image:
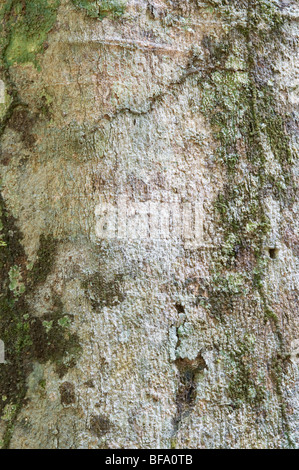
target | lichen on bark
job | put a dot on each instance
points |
(138, 341)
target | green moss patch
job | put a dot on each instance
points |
(243, 386)
(241, 107)
(28, 338)
(27, 25)
(102, 8)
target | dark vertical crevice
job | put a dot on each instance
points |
(188, 372)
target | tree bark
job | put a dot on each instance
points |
(149, 224)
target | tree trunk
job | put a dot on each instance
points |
(149, 224)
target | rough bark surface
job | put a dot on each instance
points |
(149, 224)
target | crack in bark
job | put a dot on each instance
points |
(187, 389)
(159, 96)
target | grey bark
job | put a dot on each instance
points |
(149, 237)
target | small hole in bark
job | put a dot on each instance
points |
(180, 308)
(273, 253)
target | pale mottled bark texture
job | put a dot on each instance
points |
(149, 224)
